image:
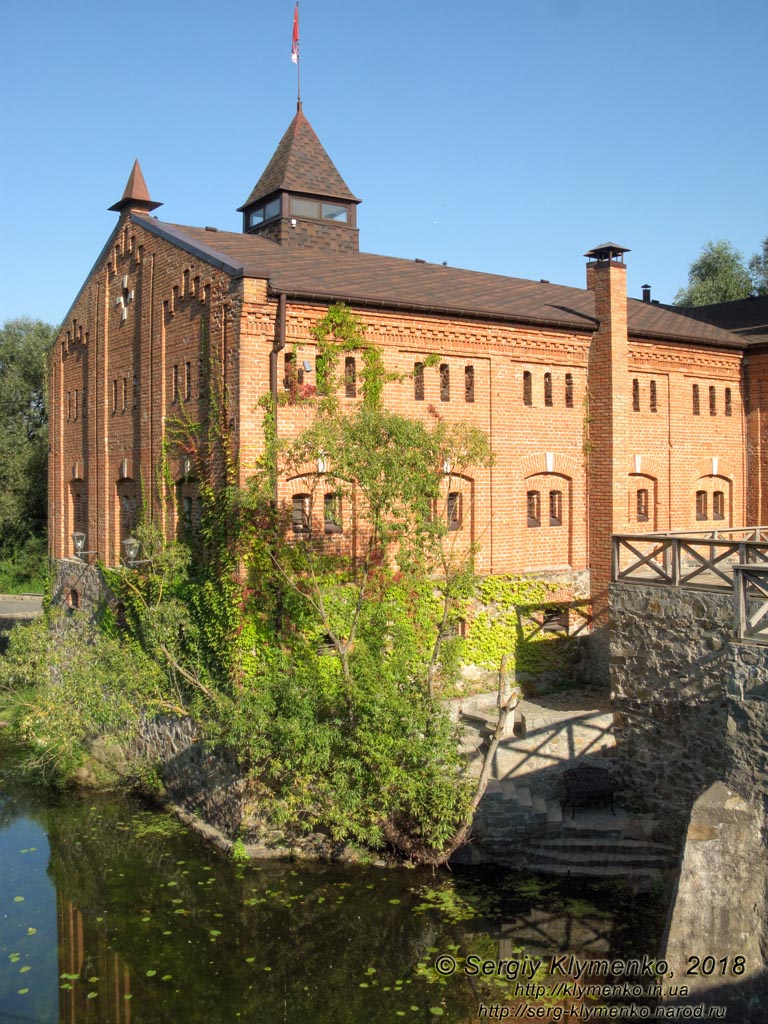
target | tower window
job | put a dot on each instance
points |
(527, 388)
(445, 382)
(264, 212)
(300, 514)
(718, 505)
(696, 400)
(469, 383)
(175, 383)
(635, 395)
(187, 380)
(701, 504)
(712, 401)
(728, 403)
(569, 390)
(533, 501)
(418, 382)
(653, 398)
(332, 513)
(642, 505)
(555, 508)
(350, 377)
(125, 393)
(547, 389)
(453, 510)
(114, 396)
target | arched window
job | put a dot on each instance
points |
(533, 500)
(527, 388)
(301, 514)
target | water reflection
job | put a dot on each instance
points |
(152, 926)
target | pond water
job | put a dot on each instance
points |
(113, 912)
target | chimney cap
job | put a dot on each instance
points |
(607, 251)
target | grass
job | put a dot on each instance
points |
(26, 570)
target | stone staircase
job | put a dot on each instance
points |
(520, 823)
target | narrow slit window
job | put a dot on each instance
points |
(718, 505)
(125, 394)
(175, 383)
(453, 510)
(635, 395)
(533, 501)
(728, 402)
(188, 380)
(69, 405)
(548, 389)
(77, 400)
(696, 400)
(418, 382)
(445, 382)
(135, 396)
(642, 505)
(701, 504)
(300, 514)
(555, 508)
(350, 377)
(332, 512)
(653, 397)
(527, 388)
(469, 383)
(713, 401)
(569, 390)
(114, 396)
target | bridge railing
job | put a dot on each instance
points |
(750, 602)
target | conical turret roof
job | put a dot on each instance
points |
(136, 195)
(300, 164)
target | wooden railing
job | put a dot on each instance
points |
(718, 560)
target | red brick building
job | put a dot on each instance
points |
(606, 414)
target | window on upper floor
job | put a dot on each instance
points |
(642, 505)
(175, 384)
(569, 390)
(696, 400)
(653, 400)
(301, 522)
(350, 377)
(264, 212)
(728, 403)
(635, 395)
(713, 401)
(469, 383)
(548, 398)
(718, 505)
(527, 388)
(445, 382)
(533, 502)
(188, 380)
(555, 508)
(454, 510)
(418, 382)
(701, 504)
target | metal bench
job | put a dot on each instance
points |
(587, 785)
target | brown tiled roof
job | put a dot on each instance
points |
(746, 317)
(300, 164)
(384, 281)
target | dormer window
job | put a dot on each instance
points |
(264, 212)
(318, 210)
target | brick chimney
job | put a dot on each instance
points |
(608, 390)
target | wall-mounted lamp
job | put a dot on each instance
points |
(132, 547)
(78, 539)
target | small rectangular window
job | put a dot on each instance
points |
(69, 405)
(555, 508)
(453, 510)
(728, 403)
(718, 505)
(713, 401)
(125, 393)
(77, 400)
(533, 501)
(635, 395)
(188, 380)
(569, 390)
(350, 377)
(527, 388)
(175, 387)
(445, 382)
(696, 400)
(114, 396)
(300, 513)
(418, 382)
(653, 398)
(469, 383)
(294, 375)
(701, 504)
(547, 389)
(332, 513)
(642, 505)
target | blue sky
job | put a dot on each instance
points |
(496, 135)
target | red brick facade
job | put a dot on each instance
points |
(594, 421)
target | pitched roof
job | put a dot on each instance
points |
(300, 164)
(388, 282)
(136, 193)
(746, 317)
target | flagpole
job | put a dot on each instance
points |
(295, 55)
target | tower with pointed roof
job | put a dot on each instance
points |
(301, 200)
(135, 198)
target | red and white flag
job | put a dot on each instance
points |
(295, 41)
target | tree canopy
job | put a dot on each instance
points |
(24, 345)
(719, 274)
(758, 267)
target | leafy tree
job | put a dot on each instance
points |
(24, 346)
(758, 267)
(718, 275)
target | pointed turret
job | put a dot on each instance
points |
(301, 199)
(136, 196)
